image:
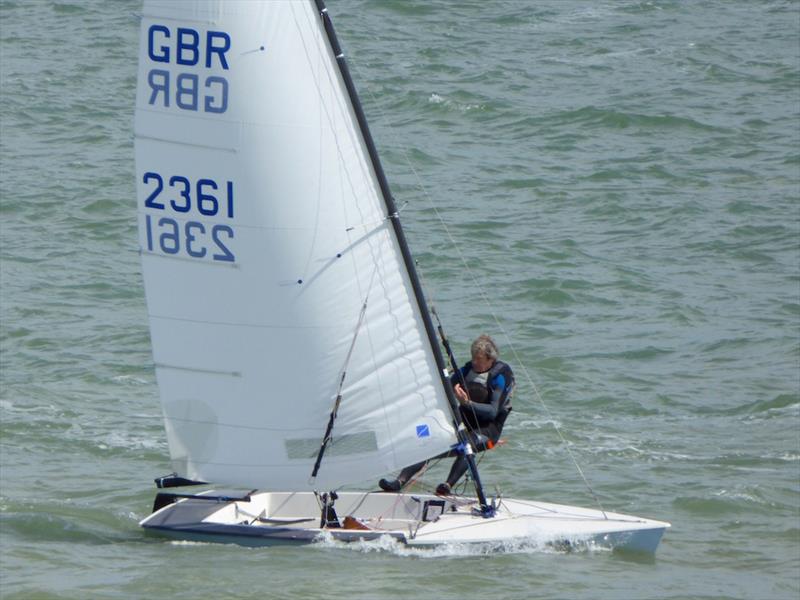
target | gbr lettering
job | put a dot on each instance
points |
(195, 81)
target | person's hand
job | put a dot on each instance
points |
(461, 394)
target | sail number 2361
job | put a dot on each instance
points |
(192, 238)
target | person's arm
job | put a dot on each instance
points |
(488, 412)
(460, 376)
(457, 380)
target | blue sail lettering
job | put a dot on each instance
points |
(159, 82)
(191, 48)
(160, 54)
(188, 47)
(220, 50)
(216, 101)
(186, 91)
(189, 90)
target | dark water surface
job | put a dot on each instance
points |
(612, 188)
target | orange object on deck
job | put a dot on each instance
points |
(353, 523)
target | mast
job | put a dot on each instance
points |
(406, 253)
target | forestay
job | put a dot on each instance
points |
(263, 231)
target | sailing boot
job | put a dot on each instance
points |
(456, 471)
(390, 485)
(406, 475)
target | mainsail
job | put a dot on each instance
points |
(269, 257)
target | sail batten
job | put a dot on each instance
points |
(250, 155)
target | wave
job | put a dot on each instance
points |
(779, 405)
(744, 500)
(523, 545)
(594, 117)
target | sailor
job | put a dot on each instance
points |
(483, 388)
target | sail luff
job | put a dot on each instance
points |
(390, 205)
(406, 253)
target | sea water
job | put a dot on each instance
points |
(611, 189)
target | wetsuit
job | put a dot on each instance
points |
(486, 414)
(489, 392)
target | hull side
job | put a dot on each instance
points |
(418, 520)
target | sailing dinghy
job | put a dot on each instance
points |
(293, 348)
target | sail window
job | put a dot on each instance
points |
(342, 445)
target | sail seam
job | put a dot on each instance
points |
(185, 144)
(194, 261)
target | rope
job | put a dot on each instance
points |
(326, 439)
(485, 298)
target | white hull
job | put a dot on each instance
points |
(415, 519)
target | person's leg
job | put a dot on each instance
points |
(460, 465)
(410, 472)
(406, 475)
(457, 470)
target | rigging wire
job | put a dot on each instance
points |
(477, 286)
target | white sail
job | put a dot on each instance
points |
(263, 232)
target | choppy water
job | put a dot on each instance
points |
(623, 180)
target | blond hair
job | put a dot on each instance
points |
(485, 345)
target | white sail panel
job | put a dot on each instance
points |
(263, 232)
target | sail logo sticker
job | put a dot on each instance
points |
(423, 431)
